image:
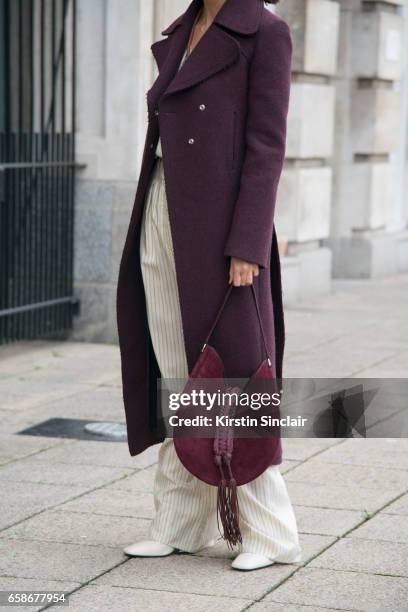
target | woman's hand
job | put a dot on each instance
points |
(242, 272)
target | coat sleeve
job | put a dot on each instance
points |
(250, 235)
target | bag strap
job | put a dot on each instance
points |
(258, 312)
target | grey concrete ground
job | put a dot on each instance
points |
(68, 507)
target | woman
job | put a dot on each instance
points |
(203, 218)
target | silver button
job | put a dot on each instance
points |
(156, 112)
(151, 146)
(202, 107)
(191, 141)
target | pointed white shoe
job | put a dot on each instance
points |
(148, 548)
(250, 561)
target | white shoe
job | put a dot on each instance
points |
(250, 561)
(148, 548)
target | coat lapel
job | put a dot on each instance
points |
(160, 50)
(216, 51)
(169, 52)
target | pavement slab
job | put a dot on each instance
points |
(395, 366)
(313, 545)
(79, 528)
(44, 472)
(386, 527)
(300, 449)
(25, 356)
(61, 361)
(327, 521)
(399, 506)
(319, 471)
(344, 356)
(370, 556)
(56, 561)
(12, 422)
(113, 503)
(271, 606)
(98, 453)
(22, 393)
(387, 453)
(71, 406)
(94, 598)
(141, 481)
(342, 590)
(14, 447)
(184, 573)
(63, 368)
(338, 496)
(99, 403)
(20, 500)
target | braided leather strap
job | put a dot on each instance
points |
(227, 497)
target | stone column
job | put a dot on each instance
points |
(304, 197)
(368, 132)
(91, 15)
(115, 68)
(114, 71)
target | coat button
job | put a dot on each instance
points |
(202, 107)
(156, 112)
(191, 141)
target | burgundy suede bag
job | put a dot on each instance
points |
(226, 461)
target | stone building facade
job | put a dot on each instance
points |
(342, 203)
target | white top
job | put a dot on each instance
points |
(159, 152)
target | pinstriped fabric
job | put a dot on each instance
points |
(185, 506)
(159, 279)
(186, 511)
(267, 520)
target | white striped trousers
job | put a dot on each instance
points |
(185, 506)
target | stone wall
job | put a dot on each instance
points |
(305, 192)
(363, 239)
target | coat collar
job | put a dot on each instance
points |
(217, 49)
(241, 16)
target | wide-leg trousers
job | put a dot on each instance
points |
(185, 506)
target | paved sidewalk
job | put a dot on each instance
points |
(67, 507)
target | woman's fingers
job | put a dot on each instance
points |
(249, 277)
(237, 277)
(241, 273)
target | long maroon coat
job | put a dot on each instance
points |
(222, 123)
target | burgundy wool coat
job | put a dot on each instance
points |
(222, 123)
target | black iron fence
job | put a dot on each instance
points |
(37, 167)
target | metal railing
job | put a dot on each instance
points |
(37, 167)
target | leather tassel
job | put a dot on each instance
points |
(228, 508)
(227, 496)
